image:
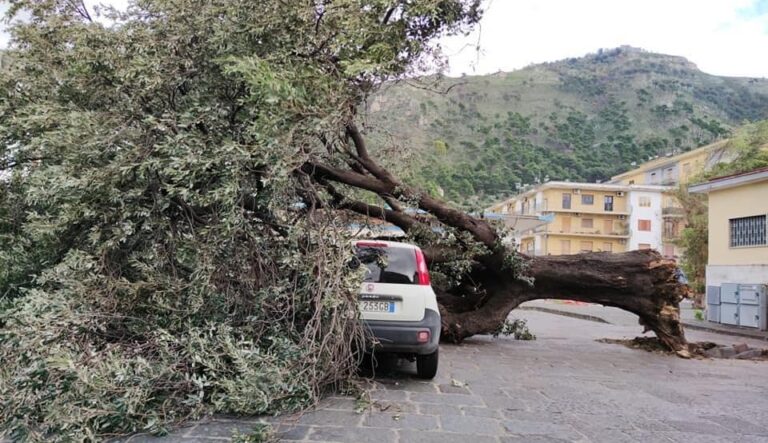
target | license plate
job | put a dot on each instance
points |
(377, 306)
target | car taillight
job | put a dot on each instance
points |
(421, 268)
(422, 337)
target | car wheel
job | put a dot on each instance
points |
(426, 366)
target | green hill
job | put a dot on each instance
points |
(586, 118)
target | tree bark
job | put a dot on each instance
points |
(641, 282)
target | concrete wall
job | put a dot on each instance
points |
(742, 201)
(747, 274)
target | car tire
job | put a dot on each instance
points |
(426, 366)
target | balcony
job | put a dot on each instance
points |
(672, 211)
(588, 233)
(596, 210)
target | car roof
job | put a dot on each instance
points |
(386, 244)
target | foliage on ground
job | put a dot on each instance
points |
(153, 263)
(517, 328)
(577, 119)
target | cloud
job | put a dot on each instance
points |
(721, 37)
(716, 35)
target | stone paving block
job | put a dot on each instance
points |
(330, 418)
(614, 436)
(479, 411)
(451, 389)
(505, 402)
(389, 394)
(533, 439)
(401, 421)
(291, 432)
(690, 437)
(471, 425)
(338, 403)
(697, 427)
(554, 430)
(408, 385)
(352, 435)
(409, 436)
(438, 409)
(736, 424)
(449, 399)
(535, 416)
(220, 429)
(392, 406)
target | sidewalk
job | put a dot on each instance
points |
(616, 316)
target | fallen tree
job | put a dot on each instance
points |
(495, 278)
(154, 264)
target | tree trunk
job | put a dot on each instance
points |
(641, 282)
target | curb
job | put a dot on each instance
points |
(694, 326)
(564, 313)
(734, 333)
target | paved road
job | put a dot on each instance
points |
(564, 386)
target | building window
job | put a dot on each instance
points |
(587, 223)
(608, 247)
(671, 229)
(565, 247)
(608, 226)
(586, 246)
(644, 246)
(587, 199)
(643, 225)
(645, 202)
(631, 182)
(566, 221)
(748, 231)
(669, 251)
(566, 201)
(608, 203)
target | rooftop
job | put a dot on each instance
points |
(655, 163)
(731, 181)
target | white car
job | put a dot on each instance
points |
(397, 303)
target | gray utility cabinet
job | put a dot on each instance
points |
(738, 304)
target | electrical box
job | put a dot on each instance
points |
(738, 304)
(713, 304)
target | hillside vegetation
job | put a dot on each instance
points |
(477, 138)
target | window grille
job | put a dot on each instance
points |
(748, 231)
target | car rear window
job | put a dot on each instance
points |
(388, 265)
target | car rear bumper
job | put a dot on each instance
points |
(402, 336)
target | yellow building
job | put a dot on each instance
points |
(672, 170)
(586, 217)
(737, 267)
(738, 208)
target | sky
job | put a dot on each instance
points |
(722, 37)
